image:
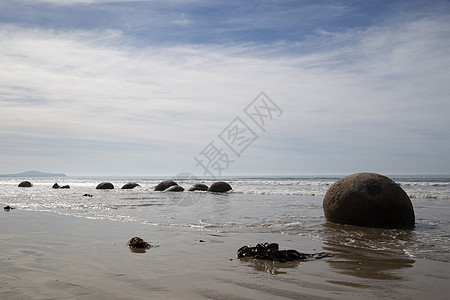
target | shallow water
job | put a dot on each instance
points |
(290, 206)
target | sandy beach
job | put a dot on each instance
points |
(50, 256)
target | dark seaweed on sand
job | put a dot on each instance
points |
(137, 242)
(270, 251)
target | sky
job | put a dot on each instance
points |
(221, 88)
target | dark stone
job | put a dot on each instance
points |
(137, 242)
(105, 186)
(164, 185)
(270, 251)
(130, 186)
(370, 200)
(220, 187)
(8, 208)
(199, 187)
(25, 184)
(175, 188)
(87, 195)
(65, 187)
(55, 186)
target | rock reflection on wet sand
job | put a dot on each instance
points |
(370, 253)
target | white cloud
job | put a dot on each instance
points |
(380, 92)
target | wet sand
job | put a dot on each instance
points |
(49, 256)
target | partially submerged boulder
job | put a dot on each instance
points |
(130, 186)
(57, 186)
(175, 188)
(105, 186)
(220, 187)
(25, 184)
(370, 200)
(199, 187)
(164, 185)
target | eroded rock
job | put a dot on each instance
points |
(105, 186)
(164, 185)
(130, 186)
(370, 200)
(220, 187)
(175, 188)
(25, 184)
(199, 187)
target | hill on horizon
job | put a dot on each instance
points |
(34, 174)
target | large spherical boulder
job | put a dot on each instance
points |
(164, 185)
(25, 184)
(368, 199)
(105, 186)
(199, 187)
(220, 187)
(129, 186)
(175, 188)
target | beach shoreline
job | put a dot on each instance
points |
(45, 255)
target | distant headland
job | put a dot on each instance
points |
(33, 174)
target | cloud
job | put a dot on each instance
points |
(360, 98)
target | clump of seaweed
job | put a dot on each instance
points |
(270, 251)
(137, 242)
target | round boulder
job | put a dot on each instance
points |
(130, 186)
(105, 186)
(199, 187)
(25, 184)
(370, 200)
(56, 186)
(175, 188)
(164, 185)
(220, 187)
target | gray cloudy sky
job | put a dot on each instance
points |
(91, 87)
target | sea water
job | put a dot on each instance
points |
(288, 205)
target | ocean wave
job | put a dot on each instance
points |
(278, 192)
(424, 184)
(440, 196)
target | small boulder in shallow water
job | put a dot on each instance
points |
(130, 186)
(175, 188)
(25, 184)
(105, 186)
(370, 200)
(56, 186)
(164, 185)
(220, 187)
(199, 187)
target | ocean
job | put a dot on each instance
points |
(287, 205)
